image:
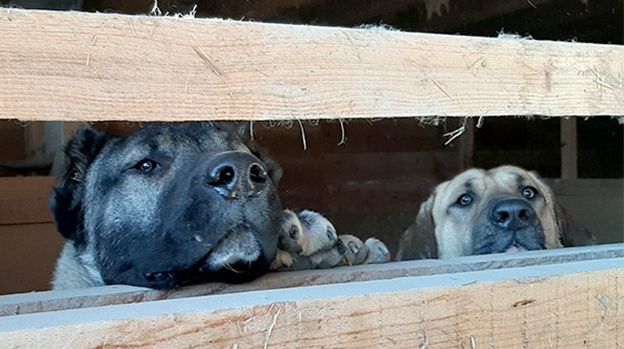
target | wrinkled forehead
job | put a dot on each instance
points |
(469, 181)
(500, 180)
(182, 139)
(512, 178)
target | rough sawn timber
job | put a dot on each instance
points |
(570, 305)
(119, 294)
(85, 66)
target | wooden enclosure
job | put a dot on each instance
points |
(201, 69)
(81, 67)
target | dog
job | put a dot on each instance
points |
(167, 206)
(308, 240)
(505, 209)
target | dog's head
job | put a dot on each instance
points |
(291, 235)
(505, 209)
(170, 204)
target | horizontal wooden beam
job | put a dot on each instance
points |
(110, 295)
(571, 305)
(82, 66)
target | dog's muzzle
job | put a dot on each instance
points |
(512, 215)
(236, 174)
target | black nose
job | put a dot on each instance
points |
(236, 174)
(512, 214)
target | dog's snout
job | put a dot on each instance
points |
(512, 214)
(234, 174)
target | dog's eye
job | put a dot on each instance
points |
(146, 165)
(464, 200)
(529, 192)
(293, 232)
(330, 233)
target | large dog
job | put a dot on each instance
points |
(505, 209)
(167, 206)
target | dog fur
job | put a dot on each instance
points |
(458, 218)
(146, 210)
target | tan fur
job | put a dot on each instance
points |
(356, 250)
(453, 233)
(314, 237)
(306, 244)
(377, 252)
(283, 259)
(327, 258)
(308, 241)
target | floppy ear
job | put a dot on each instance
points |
(418, 241)
(562, 225)
(570, 235)
(244, 132)
(66, 198)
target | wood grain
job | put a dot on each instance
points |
(24, 200)
(110, 295)
(569, 149)
(28, 254)
(575, 305)
(81, 66)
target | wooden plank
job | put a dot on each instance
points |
(61, 300)
(24, 200)
(593, 204)
(81, 66)
(569, 305)
(600, 187)
(28, 254)
(18, 141)
(569, 156)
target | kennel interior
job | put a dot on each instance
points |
(366, 155)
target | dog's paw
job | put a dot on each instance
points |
(319, 233)
(283, 260)
(377, 252)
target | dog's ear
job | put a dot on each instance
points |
(569, 234)
(244, 132)
(418, 241)
(561, 218)
(66, 198)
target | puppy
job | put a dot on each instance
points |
(306, 241)
(309, 241)
(318, 232)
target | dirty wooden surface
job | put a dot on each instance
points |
(110, 295)
(83, 66)
(570, 305)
